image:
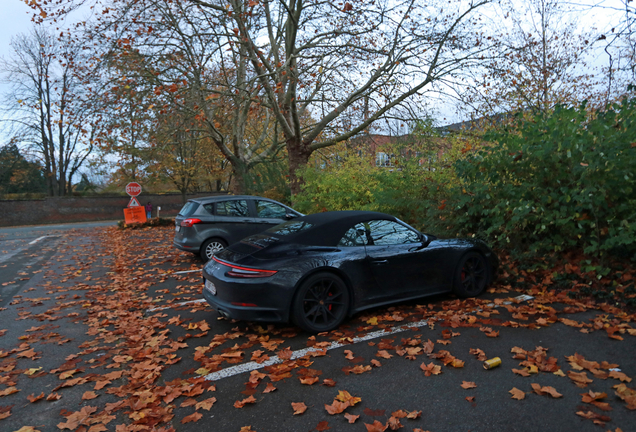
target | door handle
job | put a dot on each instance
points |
(379, 262)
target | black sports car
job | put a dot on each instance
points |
(316, 270)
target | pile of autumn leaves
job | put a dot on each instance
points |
(537, 361)
(137, 348)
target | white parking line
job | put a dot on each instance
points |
(154, 257)
(180, 272)
(248, 367)
(38, 239)
(175, 304)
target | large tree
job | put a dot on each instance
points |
(344, 65)
(174, 59)
(347, 65)
(48, 110)
(539, 59)
(620, 38)
(17, 174)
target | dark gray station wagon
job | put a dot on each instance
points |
(206, 226)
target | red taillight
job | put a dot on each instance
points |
(245, 272)
(189, 222)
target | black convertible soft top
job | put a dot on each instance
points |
(326, 229)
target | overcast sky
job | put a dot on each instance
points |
(14, 19)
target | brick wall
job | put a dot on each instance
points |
(84, 209)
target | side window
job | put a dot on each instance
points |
(234, 208)
(267, 209)
(351, 238)
(385, 232)
(209, 208)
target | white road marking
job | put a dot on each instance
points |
(248, 367)
(38, 239)
(153, 257)
(7, 255)
(180, 272)
(175, 304)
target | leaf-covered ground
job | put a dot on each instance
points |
(108, 335)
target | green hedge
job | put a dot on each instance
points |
(554, 182)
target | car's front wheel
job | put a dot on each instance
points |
(471, 275)
(321, 303)
(211, 247)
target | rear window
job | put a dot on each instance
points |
(188, 209)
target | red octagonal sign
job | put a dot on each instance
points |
(133, 188)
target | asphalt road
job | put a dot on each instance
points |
(52, 296)
(24, 249)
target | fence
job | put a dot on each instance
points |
(84, 209)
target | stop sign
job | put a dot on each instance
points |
(133, 188)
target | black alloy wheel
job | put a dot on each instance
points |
(471, 276)
(321, 303)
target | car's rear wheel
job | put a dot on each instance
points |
(321, 303)
(211, 247)
(471, 275)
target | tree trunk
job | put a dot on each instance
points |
(298, 158)
(237, 181)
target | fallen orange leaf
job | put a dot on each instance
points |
(269, 388)
(383, 354)
(345, 396)
(431, 369)
(309, 380)
(194, 417)
(89, 395)
(620, 376)
(351, 418)
(322, 426)
(8, 391)
(299, 407)
(541, 391)
(53, 397)
(376, 427)
(580, 378)
(241, 404)
(517, 394)
(336, 407)
(206, 404)
(32, 398)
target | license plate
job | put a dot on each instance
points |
(210, 287)
(177, 228)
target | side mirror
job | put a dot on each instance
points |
(289, 216)
(424, 238)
